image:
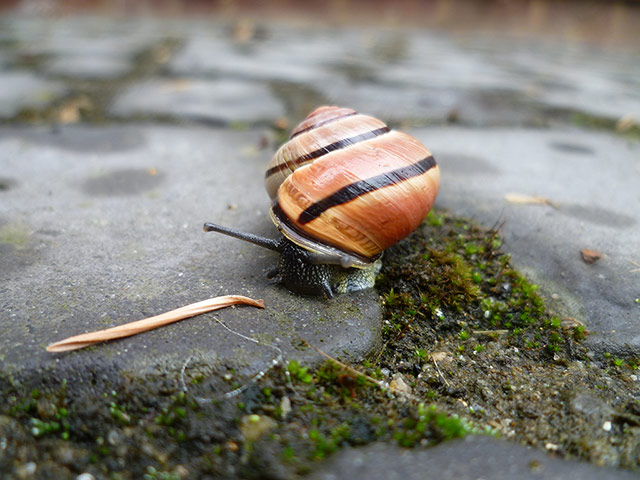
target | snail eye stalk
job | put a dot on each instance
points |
(270, 243)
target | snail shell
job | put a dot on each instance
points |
(346, 184)
(343, 188)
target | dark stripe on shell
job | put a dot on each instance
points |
(361, 187)
(345, 142)
(316, 125)
(285, 221)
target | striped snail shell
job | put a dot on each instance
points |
(346, 181)
(343, 188)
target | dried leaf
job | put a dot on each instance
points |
(144, 325)
(522, 199)
(590, 256)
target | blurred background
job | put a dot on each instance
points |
(247, 63)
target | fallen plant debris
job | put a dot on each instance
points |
(133, 328)
(590, 256)
(523, 199)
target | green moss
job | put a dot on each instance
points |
(455, 270)
(630, 129)
(173, 413)
(428, 424)
(298, 372)
(14, 234)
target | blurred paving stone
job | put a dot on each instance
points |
(591, 183)
(454, 73)
(79, 35)
(471, 458)
(424, 75)
(580, 78)
(208, 100)
(96, 237)
(89, 66)
(277, 54)
(577, 77)
(19, 90)
(80, 46)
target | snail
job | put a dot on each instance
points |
(343, 188)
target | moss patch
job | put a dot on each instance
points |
(15, 235)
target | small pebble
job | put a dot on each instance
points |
(181, 471)
(398, 384)
(285, 406)
(606, 426)
(27, 470)
(85, 476)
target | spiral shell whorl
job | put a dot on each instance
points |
(324, 130)
(345, 180)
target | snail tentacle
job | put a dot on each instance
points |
(270, 243)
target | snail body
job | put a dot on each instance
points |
(344, 188)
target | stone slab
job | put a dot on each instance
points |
(102, 226)
(84, 47)
(278, 55)
(591, 183)
(22, 89)
(205, 100)
(470, 458)
(90, 66)
(419, 74)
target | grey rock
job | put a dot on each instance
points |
(209, 100)
(83, 46)
(81, 35)
(93, 238)
(437, 75)
(19, 90)
(90, 66)
(470, 458)
(278, 56)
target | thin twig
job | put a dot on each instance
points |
(440, 373)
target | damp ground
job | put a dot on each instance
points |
(469, 348)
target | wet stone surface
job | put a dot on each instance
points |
(466, 459)
(222, 101)
(95, 240)
(19, 89)
(101, 222)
